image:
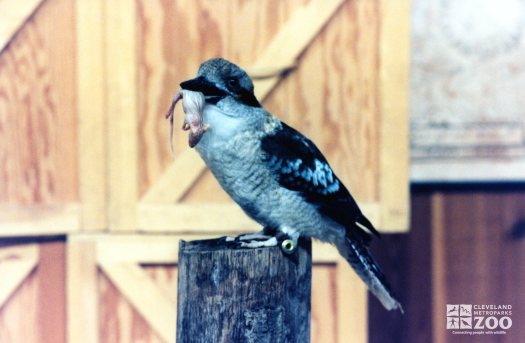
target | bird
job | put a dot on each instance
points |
(278, 176)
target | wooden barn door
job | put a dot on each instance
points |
(335, 69)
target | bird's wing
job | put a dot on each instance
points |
(299, 165)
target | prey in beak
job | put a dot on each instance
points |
(192, 105)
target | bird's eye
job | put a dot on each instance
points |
(233, 83)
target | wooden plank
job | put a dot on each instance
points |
(203, 217)
(91, 113)
(16, 263)
(284, 49)
(394, 155)
(38, 144)
(187, 218)
(177, 179)
(146, 297)
(23, 220)
(13, 15)
(51, 290)
(164, 249)
(122, 109)
(438, 268)
(324, 304)
(149, 249)
(352, 309)
(82, 293)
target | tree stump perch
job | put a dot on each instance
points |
(230, 294)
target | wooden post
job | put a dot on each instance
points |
(230, 294)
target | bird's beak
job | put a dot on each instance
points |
(200, 84)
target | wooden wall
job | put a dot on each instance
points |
(465, 246)
(36, 312)
(38, 155)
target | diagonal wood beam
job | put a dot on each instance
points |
(177, 179)
(157, 308)
(16, 264)
(284, 50)
(13, 15)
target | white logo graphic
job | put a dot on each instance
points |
(479, 319)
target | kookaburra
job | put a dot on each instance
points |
(277, 175)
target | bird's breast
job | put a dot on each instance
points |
(236, 164)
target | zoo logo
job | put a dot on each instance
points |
(462, 316)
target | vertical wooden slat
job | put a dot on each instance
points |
(82, 294)
(52, 302)
(352, 305)
(122, 110)
(91, 113)
(406, 262)
(438, 268)
(324, 302)
(394, 155)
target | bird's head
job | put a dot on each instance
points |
(219, 79)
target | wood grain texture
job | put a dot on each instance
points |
(149, 300)
(438, 268)
(39, 303)
(27, 220)
(406, 260)
(82, 292)
(324, 303)
(177, 37)
(394, 54)
(38, 144)
(252, 295)
(122, 106)
(20, 310)
(16, 263)
(52, 288)
(332, 96)
(352, 306)
(462, 248)
(482, 239)
(335, 95)
(92, 154)
(121, 321)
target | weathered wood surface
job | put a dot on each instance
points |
(243, 295)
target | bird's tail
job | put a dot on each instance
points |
(357, 254)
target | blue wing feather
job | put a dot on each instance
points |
(300, 166)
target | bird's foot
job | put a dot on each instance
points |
(253, 240)
(270, 242)
(265, 238)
